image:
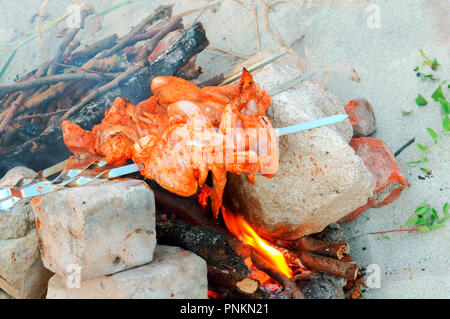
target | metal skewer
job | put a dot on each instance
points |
(36, 187)
(9, 196)
(260, 64)
(311, 124)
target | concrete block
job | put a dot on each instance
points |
(173, 274)
(104, 228)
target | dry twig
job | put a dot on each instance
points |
(274, 32)
(258, 43)
(160, 13)
(49, 80)
(236, 55)
(41, 11)
(12, 111)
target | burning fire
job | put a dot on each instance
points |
(239, 227)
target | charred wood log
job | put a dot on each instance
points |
(82, 56)
(50, 146)
(192, 41)
(225, 266)
(187, 209)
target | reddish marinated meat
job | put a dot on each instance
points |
(165, 164)
(78, 140)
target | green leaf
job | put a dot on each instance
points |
(435, 65)
(433, 218)
(425, 170)
(421, 221)
(412, 221)
(423, 204)
(413, 163)
(433, 134)
(443, 219)
(437, 94)
(437, 226)
(445, 106)
(429, 76)
(422, 210)
(421, 101)
(423, 54)
(422, 147)
(8, 62)
(446, 123)
(446, 208)
(423, 228)
(425, 159)
(416, 69)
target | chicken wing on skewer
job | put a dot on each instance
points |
(78, 140)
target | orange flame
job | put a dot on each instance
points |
(239, 227)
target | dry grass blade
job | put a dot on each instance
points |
(40, 115)
(236, 55)
(73, 67)
(160, 13)
(258, 43)
(243, 5)
(50, 80)
(41, 11)
(276, 35)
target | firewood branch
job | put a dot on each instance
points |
(335, 250)
(332, 266)
(288, 284)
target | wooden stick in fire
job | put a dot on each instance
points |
(288, 284)
(334, 250)
(332, 266)
(225, 266)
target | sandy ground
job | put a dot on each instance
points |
(333, 37)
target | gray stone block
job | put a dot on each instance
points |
(320, 178)
(173, 274)
(103, 228)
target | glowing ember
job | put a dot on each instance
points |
(239, 227)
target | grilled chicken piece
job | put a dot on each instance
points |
(169, 166)
(77, 139)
